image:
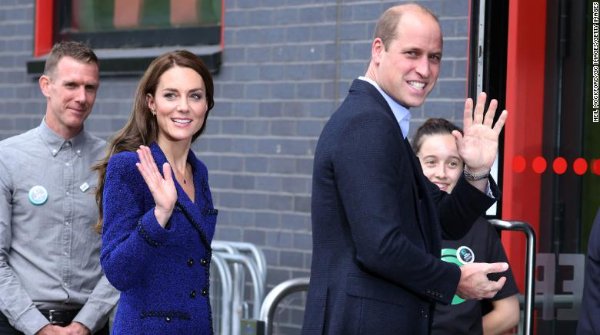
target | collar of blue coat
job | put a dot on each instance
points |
(401, 113)
(193, 210)
(160, 159)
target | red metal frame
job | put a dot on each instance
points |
(44, 27)
(526, 56)
(222, 24)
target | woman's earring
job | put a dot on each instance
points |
(153, 111)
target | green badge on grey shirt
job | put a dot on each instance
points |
(38, 195)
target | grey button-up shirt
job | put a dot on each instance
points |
(49, 250)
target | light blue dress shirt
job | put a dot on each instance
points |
(401, 113)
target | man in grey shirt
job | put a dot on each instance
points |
(51, 281)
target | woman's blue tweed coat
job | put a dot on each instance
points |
(163, 274)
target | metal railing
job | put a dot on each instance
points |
(222, 269)
(254, 252)
(278, 293)
(528, 297)
(233, 261)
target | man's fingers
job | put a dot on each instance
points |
(496, 267)
(479, 108)
(491, 112)
(501, 121)
(497, 285)
(494, 287)
(468, 113)
(474, 282)
(457, 135)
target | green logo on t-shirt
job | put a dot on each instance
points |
(459, 256)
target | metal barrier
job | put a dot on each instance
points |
(275, 296)
(233, 261)
(257, 286)
(237, 278)
(529, 267)
(226, 292)
(252, 250)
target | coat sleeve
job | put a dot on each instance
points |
(131, 235)
(463, 207)
(589, 323)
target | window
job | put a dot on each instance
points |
(128, 34)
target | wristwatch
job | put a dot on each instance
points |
(472, 177)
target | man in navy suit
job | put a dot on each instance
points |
(377, 221)
(589, 322)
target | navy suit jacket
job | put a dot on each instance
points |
(376, 267)
(589, 319)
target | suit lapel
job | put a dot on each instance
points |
(422, 202)
(419, 194)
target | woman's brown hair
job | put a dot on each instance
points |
(142, 127)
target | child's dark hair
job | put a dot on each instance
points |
(432, 126)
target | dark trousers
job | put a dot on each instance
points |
(7, 329)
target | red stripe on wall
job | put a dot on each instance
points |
(44, 17)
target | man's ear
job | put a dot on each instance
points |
(377, 47)
(44, 82)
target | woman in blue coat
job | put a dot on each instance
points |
(156, 212)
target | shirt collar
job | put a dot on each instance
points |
(56, 143)
(401, 113)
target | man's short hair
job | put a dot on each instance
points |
(385, 27)
(76, 50)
